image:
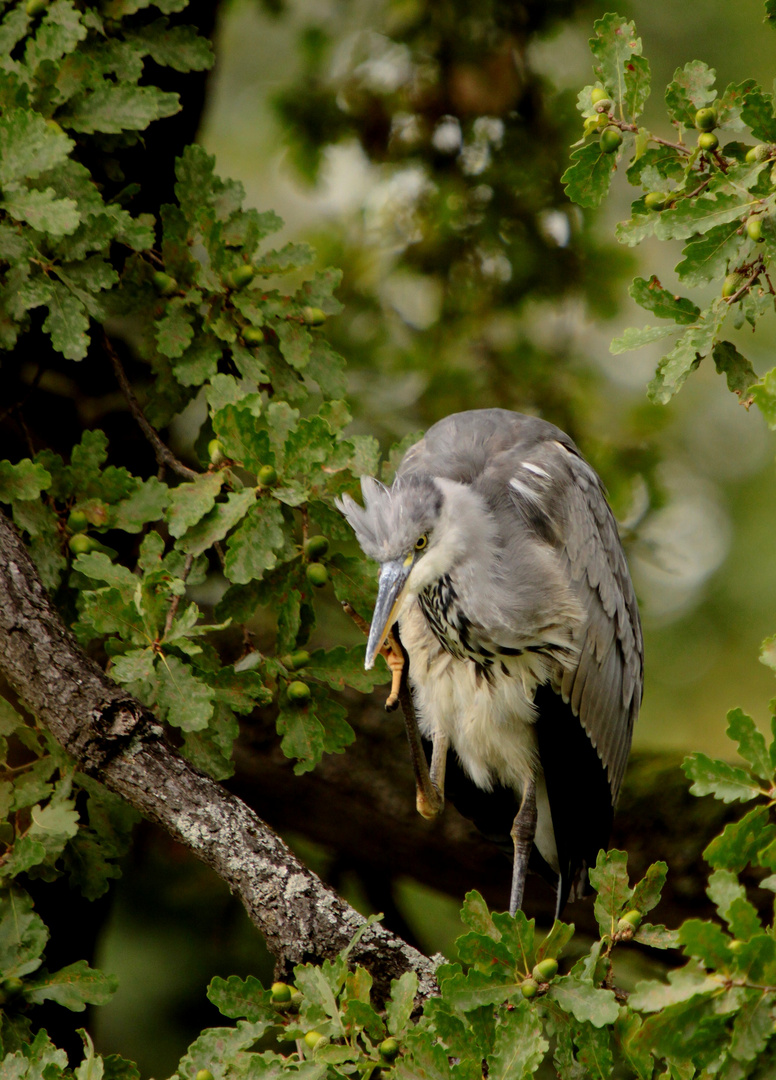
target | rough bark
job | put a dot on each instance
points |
(115, 738)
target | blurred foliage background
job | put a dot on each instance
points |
(418, 144)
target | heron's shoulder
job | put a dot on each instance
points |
(465, 445)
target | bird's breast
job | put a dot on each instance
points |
(481, 699)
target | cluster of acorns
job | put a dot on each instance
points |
(287, 999)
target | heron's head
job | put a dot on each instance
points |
(417, 531)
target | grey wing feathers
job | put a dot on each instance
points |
(605, 688)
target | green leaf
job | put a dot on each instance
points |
(175, 329)
(619, 64)
(113, 108)
(42, 210)
(74, 986)
(484, 953)
(23, 934)
(707, 258)
(252, 548)
(22, 482)
(652, 296)
(236, 998)
(178, 47)
(28, 146)
(683, 984)
(216, 524)
(519, 1046)
(685, 1032)
(589, 176)
(476, 915)
(763, 394)
(469, 991)
(692, 89)
(302, 736)
(717, 778)
(702, 214)
(401, 1003)
(186, 701)
(67, 322)
(675, 367)
(635, 337)
(757, 111)
(646, 893)
(706, 942)
(609, 878)
(584, 1001)
(295, 342)
(752, 1025)
(751, 743)
(743, 920)
(556, 941)
(738, 371)
(190, 501)
(341, 667)
(740, 841)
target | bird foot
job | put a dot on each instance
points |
(431, 805)
(394, 658)
(392, 652)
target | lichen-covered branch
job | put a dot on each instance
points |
(115, 738)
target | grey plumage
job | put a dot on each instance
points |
(502, 563)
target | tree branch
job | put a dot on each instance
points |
(116, 739)
(164, 454)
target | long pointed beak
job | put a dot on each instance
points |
(393, 578)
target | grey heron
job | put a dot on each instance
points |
(501, 562)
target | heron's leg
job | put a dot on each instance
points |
(429, 793)
(523, 831)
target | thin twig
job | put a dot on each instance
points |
(173, 610)
(163, 453)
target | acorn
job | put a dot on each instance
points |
(81, 544)
(313, 316)
(77, 521)
(631, 920)
(611, 140)
(545, 970)
(296, 660)
(267, 476)
(240, 276)
(598, 94)
(316, 547)
(529, 988)
(298, 693)
(754, 229)
(708, 141)
(204, 1074)
(317, 575)
(253, 335)
(165, 284)
(655, 200)
(313, 1039)
(281, 993)
(389, 1049)
(705, 119)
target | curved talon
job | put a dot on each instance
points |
(394, 657)
(429, 808)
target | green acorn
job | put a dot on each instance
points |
(240, 276)
(298, 693)
(253, 335)
(545, 970)
(389, 1049)
(313, 316)
(317, 574)
(754, 229)
(316, 547)
(705, 119)
(77, 521)
(655, 200)
(708, 141)
(611, 140)
(267, 476)
(164, 284)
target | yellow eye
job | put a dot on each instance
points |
(421, 542)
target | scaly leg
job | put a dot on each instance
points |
(523, 832)
(429, 789)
